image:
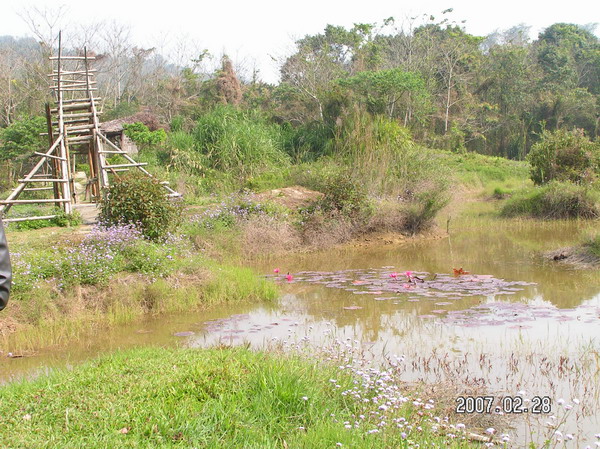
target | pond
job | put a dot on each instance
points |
(481, 308)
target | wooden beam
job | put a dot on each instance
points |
(136, 164)
(71, 72)
(42, 180)
(48, 155)
(45, 200)
(75, 100)
(72, 58)
(43, 217)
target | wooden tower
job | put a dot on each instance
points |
(73, 132)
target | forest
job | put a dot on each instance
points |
(492, 95)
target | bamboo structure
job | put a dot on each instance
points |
(73, 132)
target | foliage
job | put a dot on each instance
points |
(555, 200)
(239, 142)
(393, 92)
(141, 134)
(342, 193)
(22, 138)
(564, 156)
(142, 201)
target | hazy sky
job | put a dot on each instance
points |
(254, 31)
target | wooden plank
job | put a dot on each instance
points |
(74, 89)
(71, 72)
(42, 180)
(42, 217)
(74, 121)
(75, 100)
(34, 189)
(48, 155)
(45, 200)
(79, 139)
(136, 164)
(72, 58)
(73, 106)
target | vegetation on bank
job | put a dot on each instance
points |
(227, 398)
(555, 200)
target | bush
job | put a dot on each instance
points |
(139, 200)
(564, 156)
(554, 201)
(421, 211)
(344, 194)
(141, 134)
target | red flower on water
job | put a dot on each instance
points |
(459, 271)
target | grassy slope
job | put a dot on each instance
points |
(217, 398)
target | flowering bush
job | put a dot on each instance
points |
(141, 201)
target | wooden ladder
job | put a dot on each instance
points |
(73, 129)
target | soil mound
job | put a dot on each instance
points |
(291, 197)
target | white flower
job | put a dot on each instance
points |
(491, 430)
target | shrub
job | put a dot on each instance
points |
(421, 211)
(141, 134)
(140, 200)
(554, 201)
(344, 194)
(564, 156)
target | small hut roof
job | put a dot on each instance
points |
(146, 117)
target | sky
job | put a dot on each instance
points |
(258, 33)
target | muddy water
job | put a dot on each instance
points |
(517, 321)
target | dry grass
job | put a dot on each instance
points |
(262, 235)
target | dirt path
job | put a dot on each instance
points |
(89, 213)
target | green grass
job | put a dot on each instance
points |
(593, 245)
(554, 201)
(476, 170)
(217, 398)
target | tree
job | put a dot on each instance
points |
(393, 92)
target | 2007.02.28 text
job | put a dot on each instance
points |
(506, 404)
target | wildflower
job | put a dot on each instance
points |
(276, 270)
(490, 430)
(305, 398)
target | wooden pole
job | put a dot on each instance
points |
(64, 164)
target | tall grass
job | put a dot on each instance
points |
(554, 201)
(240, 141)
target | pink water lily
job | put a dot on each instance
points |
(276, 270)
(289, 277)
(394, 275)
